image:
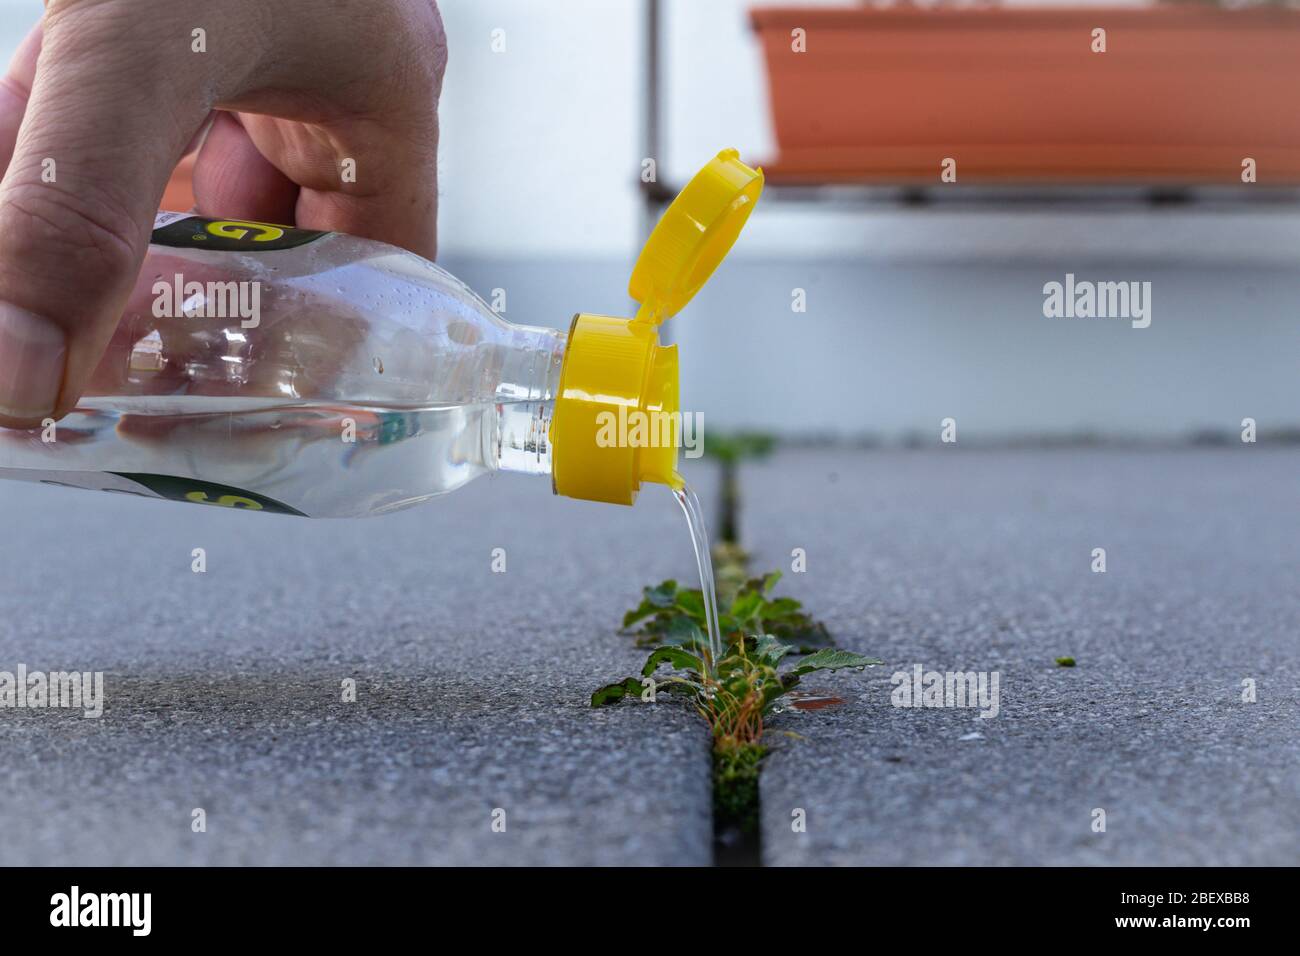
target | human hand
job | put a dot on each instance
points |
(104, 98)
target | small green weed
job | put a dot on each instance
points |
(736, 767)
(729, 450)
(758, 632)
(742, 689)
(734, 699)
(673, 615)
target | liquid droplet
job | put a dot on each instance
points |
(378, 363)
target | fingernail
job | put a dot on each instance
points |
(32, 354)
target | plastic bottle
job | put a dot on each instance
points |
(276, 369)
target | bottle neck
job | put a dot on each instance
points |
(519, 432)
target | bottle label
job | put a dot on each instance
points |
(227, 235)
(145, 485)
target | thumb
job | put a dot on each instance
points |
(106, 122)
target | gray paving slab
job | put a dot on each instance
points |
(966, 560)
(224, 688)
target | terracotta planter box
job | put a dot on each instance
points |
(1181, 95)
(179, 196)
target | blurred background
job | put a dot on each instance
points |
(923, 299)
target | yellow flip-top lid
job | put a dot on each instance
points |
(694, 236)
(617, 418)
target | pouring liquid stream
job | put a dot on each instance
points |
(690, 505)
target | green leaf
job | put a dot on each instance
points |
(675, 656)
(730, 664)
(769, 581)
(831, 659)
(665, 595)
(683, 632)
(692, 603)
(616, 692)
(648, 639)
(800, 631)
(639, 613)
(673, 684)
(746, 605)
(781, 608)
(769, 650)
(772, 689)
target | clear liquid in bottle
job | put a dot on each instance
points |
(309, 373)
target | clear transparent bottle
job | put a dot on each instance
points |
(275, 369)
(320, 374)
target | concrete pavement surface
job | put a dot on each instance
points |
(964, 560)
(224, 688)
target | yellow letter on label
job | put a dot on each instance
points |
(225, 501)
(238, 229)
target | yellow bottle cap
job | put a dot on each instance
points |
(617, 418)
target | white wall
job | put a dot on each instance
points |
(913, 314)
(541, 147)
(542, 144)
(539, 143)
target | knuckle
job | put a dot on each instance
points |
(92, 238)
(131, 39)
(58, 8)
(107, 14)
(423, 51)
(93, 45)
(437, 37)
